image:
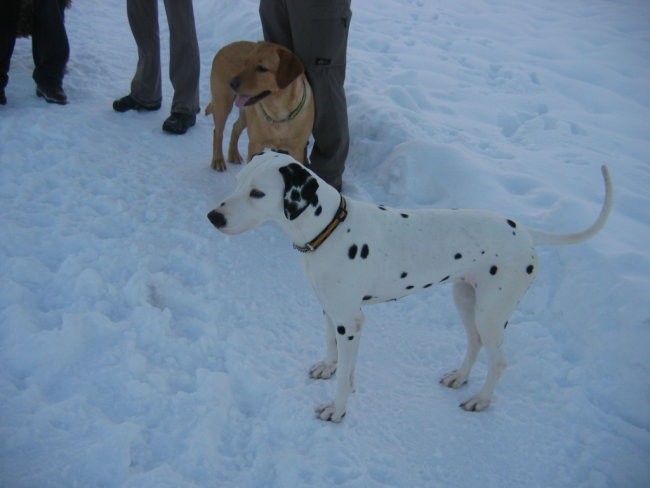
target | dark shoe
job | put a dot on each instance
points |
(52, 94)
(178, 123)
(129, 103)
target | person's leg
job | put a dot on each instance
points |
(276, 27)
(320, 35)
(50, 47)
(331, 133)
(146, 85)
(8, 21)
(184, 62)
(275, 22)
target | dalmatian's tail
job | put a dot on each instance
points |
(543, 238)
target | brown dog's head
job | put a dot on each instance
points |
(268, 69)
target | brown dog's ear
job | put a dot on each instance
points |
(289, 69)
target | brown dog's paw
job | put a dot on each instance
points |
(218, 164)
(235, 158)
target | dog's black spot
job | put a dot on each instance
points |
(349, 230)
(350, 338)
(341, 330)
(512, 224)
(505, 325)
(352, 252)
(458, 256)
(405, 216)
(530, 268)
(381, 207)
(364, 251)
(482, 252)
(444, 279)
(318, 211)
(493, 270)
(404, 274)
(427, 285)
(410, 287)
(367, 297)
(291, 210)
(299, 190)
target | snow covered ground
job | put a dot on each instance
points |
(139, 347)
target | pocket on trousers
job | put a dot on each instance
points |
(328, 32)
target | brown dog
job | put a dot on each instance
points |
(268, 85)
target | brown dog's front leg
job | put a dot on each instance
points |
(218, 163)
(237, 128)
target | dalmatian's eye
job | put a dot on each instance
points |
(261, 69)
(256, 194)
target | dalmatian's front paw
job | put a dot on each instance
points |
(454, 379)
(330, 413)
(322, 370)
(475, 404)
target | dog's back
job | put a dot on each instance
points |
(399, 252)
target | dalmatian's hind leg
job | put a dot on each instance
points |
(494, 306)
(465, 299)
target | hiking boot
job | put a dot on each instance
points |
(178, 123)
(52, 94)
(129, 103)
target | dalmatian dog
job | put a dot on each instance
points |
(356, 253)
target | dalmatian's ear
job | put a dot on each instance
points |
(299, 190)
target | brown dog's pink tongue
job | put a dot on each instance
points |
(241, 101)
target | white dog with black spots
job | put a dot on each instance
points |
(356, 253)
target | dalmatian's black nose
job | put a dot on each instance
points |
(217, 219)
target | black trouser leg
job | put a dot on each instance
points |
(8, 21)
(50, 47)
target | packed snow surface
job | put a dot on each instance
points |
(141, 348)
